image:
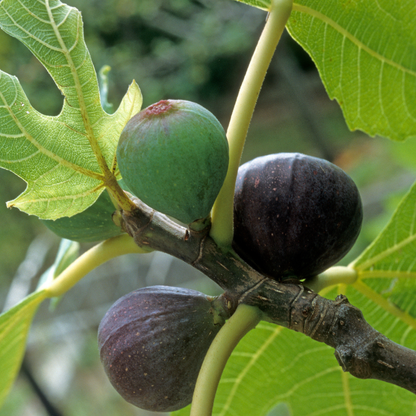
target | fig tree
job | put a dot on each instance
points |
(152, 343)
(294, 215)
(173, 155)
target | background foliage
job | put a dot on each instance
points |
(196, 50)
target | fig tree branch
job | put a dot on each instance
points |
(359, 348)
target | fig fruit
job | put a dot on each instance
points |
(93, 224)
(294, 215)
(173, 155)
(152, 344)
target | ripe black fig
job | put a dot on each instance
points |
(173, 155)
(294, 215)
(153, 341)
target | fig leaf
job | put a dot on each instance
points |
(62, 159)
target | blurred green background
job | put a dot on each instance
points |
(195, 50)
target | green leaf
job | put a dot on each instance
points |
(364, 51)
(14, 327)
(387, 268)
(63, 159)
(272, 365)
(392, 253)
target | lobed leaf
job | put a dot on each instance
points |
(365, 53)
(14, 327)
(63, 159)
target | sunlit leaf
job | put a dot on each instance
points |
(61, 158)
(364, 51)
(392, 254)
(14, 327)
(387, 268)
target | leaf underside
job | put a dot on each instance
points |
(61, 158)
(14, 327)
(365, 54)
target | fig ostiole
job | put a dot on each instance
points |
(173, 155)
(294, 215)
(153, 341)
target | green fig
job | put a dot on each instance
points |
(173, 155)
(153, 341)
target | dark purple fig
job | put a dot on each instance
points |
(153, 341)
(294, 215)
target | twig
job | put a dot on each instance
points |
(359, 348)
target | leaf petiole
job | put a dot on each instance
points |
(222, 212)
(331, 277)
(88, 261)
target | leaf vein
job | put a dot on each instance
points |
(305, 9)
(45, 151)
(395, 247)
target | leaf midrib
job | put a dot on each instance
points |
(83, 108)
(372, 260)
(305, 9)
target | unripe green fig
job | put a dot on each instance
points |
(294, 215)
(93, 224)
(152, 344)
(173, 155)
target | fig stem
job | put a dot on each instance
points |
(331, 277)
(222, 212)
(94, 257)
(244, 319)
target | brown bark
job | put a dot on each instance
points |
(359, 348)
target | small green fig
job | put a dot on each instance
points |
(153, 341)
(173, 155)
(93, 224)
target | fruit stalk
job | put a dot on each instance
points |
(222, 213)
(244, 320)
